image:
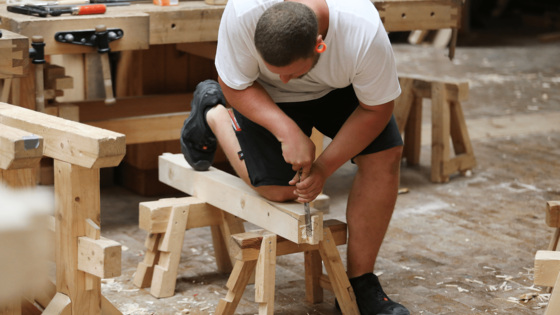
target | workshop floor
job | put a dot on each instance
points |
(470, 233)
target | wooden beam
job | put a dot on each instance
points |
(101, 258)
(144, 129)
(553, 214)
(313, 272)
(245, 246)
(134, 106)
(457, 90)
(60, 305)
(19, 149)
(419, 15)
(231, 194)
(547, 267)
(154, 215)
(14, 55)
(66, 140)
(266, 274)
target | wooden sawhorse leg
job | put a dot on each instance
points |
(262, 247)
(145, 270)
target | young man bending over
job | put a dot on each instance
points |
(289, 66)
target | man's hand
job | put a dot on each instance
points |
(309, 188)
(299, 151)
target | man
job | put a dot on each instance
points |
(289, 66)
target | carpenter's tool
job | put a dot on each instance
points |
(39, 2)
(307, 211)
(44, 11)
(38, 55)
(102, 41)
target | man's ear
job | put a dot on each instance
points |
(320, 45)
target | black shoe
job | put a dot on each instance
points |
(198, 142)
(371, 299)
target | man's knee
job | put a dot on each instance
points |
(388, 161)
(277, 193)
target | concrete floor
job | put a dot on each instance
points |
(471, 229)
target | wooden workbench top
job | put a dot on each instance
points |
(195, 21)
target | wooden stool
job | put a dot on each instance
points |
(447, 119)
(166, 221)
(260, 248)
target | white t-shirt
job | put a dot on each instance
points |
(358, 52)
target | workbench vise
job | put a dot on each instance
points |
(37, 54)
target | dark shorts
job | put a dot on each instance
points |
(263, 152)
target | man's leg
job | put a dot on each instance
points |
(220, 122)
(370, 207)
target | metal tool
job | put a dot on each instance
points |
(38, 2)
(44, 11)
(307, 210)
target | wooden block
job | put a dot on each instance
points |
(236, 284)
(69, 112)
(96, 110)
(232, 195)
(313, 272)
(20, 178)
(101, 258)
(337, 275)
(547, 267)
(14, 55)
(245, 246)
(19, 149)
(51, 71)
(201, 49)
(553, 214)
(440, 132)
(74, 67)
(553, 306)
(77, 199)
(165, 272)
(133, 24)
(60, 83)
(419, 15)
(143, 129)
(266, 274)
(52, 94)
(67, 140)
(60, 305)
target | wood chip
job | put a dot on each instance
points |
(451, 285)
(462, 290)
(419, 278)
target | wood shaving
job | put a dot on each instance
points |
(205, 308)
(462, 290)
(451, 285)
(419, 278)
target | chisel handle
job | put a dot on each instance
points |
(89, 9)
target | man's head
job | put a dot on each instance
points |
(286, 36)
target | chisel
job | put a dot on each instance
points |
(307, 211)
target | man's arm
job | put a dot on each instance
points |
(255, 104)
(359, 130)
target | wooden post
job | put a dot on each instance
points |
(553, 307)
(236, 284)
(313, 272)
(403, 103)
(145, 270)
(440, 132)
(413, 133)
(266, 275)
(77, 199)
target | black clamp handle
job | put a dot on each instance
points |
(102, 39)
(37, 52)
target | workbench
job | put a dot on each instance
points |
(165, 52)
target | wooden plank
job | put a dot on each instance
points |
(413, 133)
(171, 244)
(313, 272)
(60, 305)
(201, 49)
(14, 55)
(236, 284)
(246, 246)
(19, 149)
(135, 26)
(74, 66)
(553, 214)
(154, 215)
(143, 129)
(134, 106)
(93, 76)
(337, 275)
(553, 306)
(232, 195)
(266, 275)
(66, 140)
(547, 267)
(101, 258)
(419, 15)
(129, 75)
(440, 132)
(77, 198)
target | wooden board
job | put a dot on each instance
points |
(101, 257)
(66, 140)
(402, 15)
(553, 214)
(19, 149)
(14, 55)
(135, 26)
(232, 195)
